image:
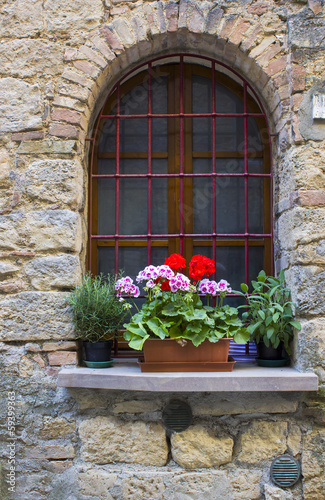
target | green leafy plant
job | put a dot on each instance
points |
(96, 311)
(269, 311)
(174, 309)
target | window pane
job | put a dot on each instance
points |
(106, 206)
(159, 166)
(106, 260)
(255, 165)
(230, 165)
(133, 206)
(158, 255)
(159, 206)
(134, 135)
(159, 134)
(133, 166)
(227, 101)
(230, 134)
(159, 94)
(135, 102)
(132, 260)
(230, 265)
(106, 166)
(202, 205)
(230, 201)
(202, 134)
(107, 141)
(256, 261)
(201, 94)
(255, 205)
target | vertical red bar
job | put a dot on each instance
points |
(246, 194)
(246, 185)
(181, 165)
(91, 203)
(214, 169)
(117, 179)
(149, 161)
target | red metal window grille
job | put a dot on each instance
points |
(218, 145)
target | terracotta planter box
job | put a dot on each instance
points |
(169, 355)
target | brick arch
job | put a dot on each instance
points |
(113, 49)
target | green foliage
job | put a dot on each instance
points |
(96, 312)
(183, 316)
(269, 311)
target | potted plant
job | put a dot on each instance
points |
(270, 317)
(174, 329)
(96, 314)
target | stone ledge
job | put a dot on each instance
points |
(126, 375)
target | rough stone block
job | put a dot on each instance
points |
(75, 91)
(26, 136)
(272, 492)
(28, 57)
(263, 46)
(298, 78)
(12, 286)
(54, 272)
(198, 447)
(20, 105)
(65, 131)
(9, 226)
(107, 439)
(96, 483)
(21, 19)
(103, 48)
(306, 30)
(313, 454)
(66, 17)
(35, 316)
(262, 441)
(136, 406)
(307, 286)
(244, 489)
(149, 486)
(48, 147)
(311, 345)
(93, 56)
(53, 230)
(213, 20)
(171, 12)
(241, 403)
(7, 269)
(73, 76)
(258, 8)
(87, 68)
(59, 346)
(55, 181)
(47, 451)
(62, 358)
(112, 39)
(301, 226)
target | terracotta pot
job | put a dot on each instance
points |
(169, 350)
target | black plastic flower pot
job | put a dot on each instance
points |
(270, 353)
(97, 351)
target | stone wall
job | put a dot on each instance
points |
(57, 61)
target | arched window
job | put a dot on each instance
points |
(181, 163)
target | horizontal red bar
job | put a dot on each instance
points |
(136, 176)
(183, 115)
(185, 235)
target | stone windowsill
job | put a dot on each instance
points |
(126, 375)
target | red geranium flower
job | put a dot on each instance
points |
(164, 287)
(175, 261)
(200, 266)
